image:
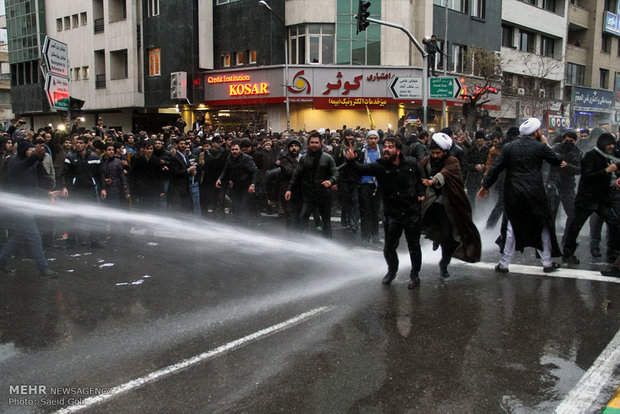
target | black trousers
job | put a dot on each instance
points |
(606, 211)
(394, 228)
(370, 203)
(324, 205)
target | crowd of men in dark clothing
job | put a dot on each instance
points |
(413, 183)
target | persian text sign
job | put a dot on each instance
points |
(56, 57)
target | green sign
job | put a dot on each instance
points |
(444, 87)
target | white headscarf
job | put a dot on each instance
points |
(442, 140)
(530, 126)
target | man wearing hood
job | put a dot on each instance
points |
(447, 215)
(594, 193)
(561, 181)
(26, 176)
(315, 175)
(288, 162)
(527, 218)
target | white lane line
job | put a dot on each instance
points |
(585, 394)
(563, 272)
(172, 369)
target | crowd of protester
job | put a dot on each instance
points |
(359, 175)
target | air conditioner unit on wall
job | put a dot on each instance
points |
(520, 91)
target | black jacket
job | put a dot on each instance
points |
(83, 173)
(27, 176)
(113, 169)
(475, 156)
(310, 176)
(401, 185)
(215, 160)
(242, 171)
(146, 176)
(595, 185)
(179, 177)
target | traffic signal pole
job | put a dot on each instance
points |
(424, 63)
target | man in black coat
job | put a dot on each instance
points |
(595, 193)
(26, 176)
(179, 197)
(527, 219)
(475, 161)
(242, 172)
(288, 163)
(314, 175)
(147, 178)
(561, 181)
(400, 180)
(212, 162)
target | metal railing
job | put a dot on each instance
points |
(100, 81)
(99, 26)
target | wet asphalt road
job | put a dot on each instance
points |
(476, 342)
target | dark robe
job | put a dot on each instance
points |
(458, 210)
(525, 198)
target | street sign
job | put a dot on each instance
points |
(406, 87)
(445, 87)
(57, 91)
(56, 57)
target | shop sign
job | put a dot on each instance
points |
(246, 89)
(356, 102)
(558, 121)
(593, 98)
(611, 24)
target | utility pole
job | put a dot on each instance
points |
(362, 23)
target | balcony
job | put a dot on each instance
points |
(100, 81)
(578, 17)
(99, 26)
(576, 54)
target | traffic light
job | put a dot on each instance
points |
(362, 15)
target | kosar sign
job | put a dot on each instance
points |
(240, 89)
(248, 89)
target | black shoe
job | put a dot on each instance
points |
(6, 271)
(414, 281)
(596, 253)
(552, 267)
(387, 279)
(500, 269)
(47, 273)
(443, 271)
(570, 259)
(613, 272)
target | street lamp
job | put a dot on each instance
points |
(263, 4)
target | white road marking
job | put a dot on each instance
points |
(563, 272)
(585, 394)
(173, 369)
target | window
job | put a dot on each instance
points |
(533, 2)
(356, 49)
(117, 10)
(239, 58)
(458, 5)
(83, 20)
(118, 64)
(225, 1)
(85, 72)
(312, 43)
(458, 59)
(526, 41)
(152, 8)
(478, 8)
(155, 62)
(59, 25)
(575, 74)
(76, 20)
(226, 60)
(603, 82)
(610, 5)
(76, 74)
(617, 83)
(547, 46)
(549, 5)
(507, 36)
(252, 57)
(605, 43)
(67, 22)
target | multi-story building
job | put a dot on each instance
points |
(6, 112)
(533, 44)
(303, 63)
(593, 62)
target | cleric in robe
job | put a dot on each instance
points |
(446, 212)
(527, 220)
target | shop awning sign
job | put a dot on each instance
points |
(402, 87)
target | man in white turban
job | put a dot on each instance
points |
(527, 220)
